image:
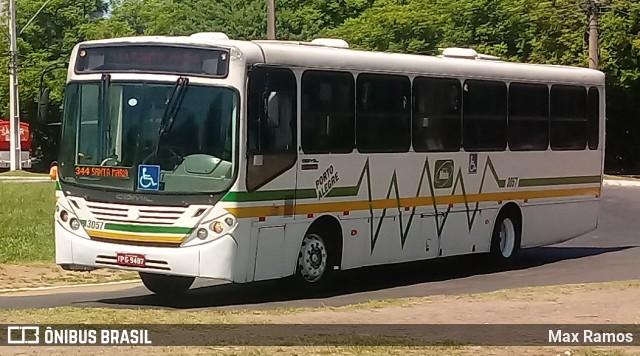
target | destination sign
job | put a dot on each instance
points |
(97, 171)
(153, 58)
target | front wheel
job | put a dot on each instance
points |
(505, 241)
(166, 285)
(313, 259)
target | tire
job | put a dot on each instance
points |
(314, 265)
(165, 285)
(506, 237)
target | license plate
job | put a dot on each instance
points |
(131, 259)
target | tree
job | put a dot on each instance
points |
(620, 53)
(515, 30)
(306, 19)
(239, 19)
(48, 39)
(522, 31)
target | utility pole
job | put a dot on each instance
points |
(594, 9)
(271, 19)
(14, 102)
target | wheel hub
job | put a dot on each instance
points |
(312, 260)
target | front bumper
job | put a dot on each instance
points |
(215, 259)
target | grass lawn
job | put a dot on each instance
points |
(26, 222)
(23, 174)
(220, 327)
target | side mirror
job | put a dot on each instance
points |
(43, 105)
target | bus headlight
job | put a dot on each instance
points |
(216, 227)
(68, 220)
(211, 229)
(74, 224)
(202, 233)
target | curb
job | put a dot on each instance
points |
(621, 183)
(25, 179)
(66, 286)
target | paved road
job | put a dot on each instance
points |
(612, 252)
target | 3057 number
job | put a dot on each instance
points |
(95, 225)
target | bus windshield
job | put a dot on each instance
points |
(158, 137)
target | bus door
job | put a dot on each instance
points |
(271, 162)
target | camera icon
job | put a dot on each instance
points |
(23, 335)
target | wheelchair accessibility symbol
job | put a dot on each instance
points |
(148, 177)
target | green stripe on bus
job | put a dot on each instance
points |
(268, 195)
(283, 194)
(310, 193)
(58, 186)
(343, 192)
(147, 228)
(537, 182)
(262, 195)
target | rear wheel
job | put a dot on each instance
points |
(166, 285)
(505, 241)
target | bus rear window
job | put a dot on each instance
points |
(152, 58)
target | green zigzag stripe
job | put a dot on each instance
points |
(393, 188)
(404, 231)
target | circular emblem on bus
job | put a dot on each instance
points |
(133, 214)
(443, 174)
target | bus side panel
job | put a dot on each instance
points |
(276, 249)
(553, 223)
(456, 239)
(246, 255)
(269, 252)
(355, 232)
(293, 235)
(420, 240)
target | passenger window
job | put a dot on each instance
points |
(568, 117)
(383, 114)
(271, 125)
(528, 117)
(328, 112)
(484, 122)
(437, 113)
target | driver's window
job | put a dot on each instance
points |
(271, 131)
(88, 130)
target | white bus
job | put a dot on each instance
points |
(202, 156)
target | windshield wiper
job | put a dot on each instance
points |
(171, 110)
(173, 105)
